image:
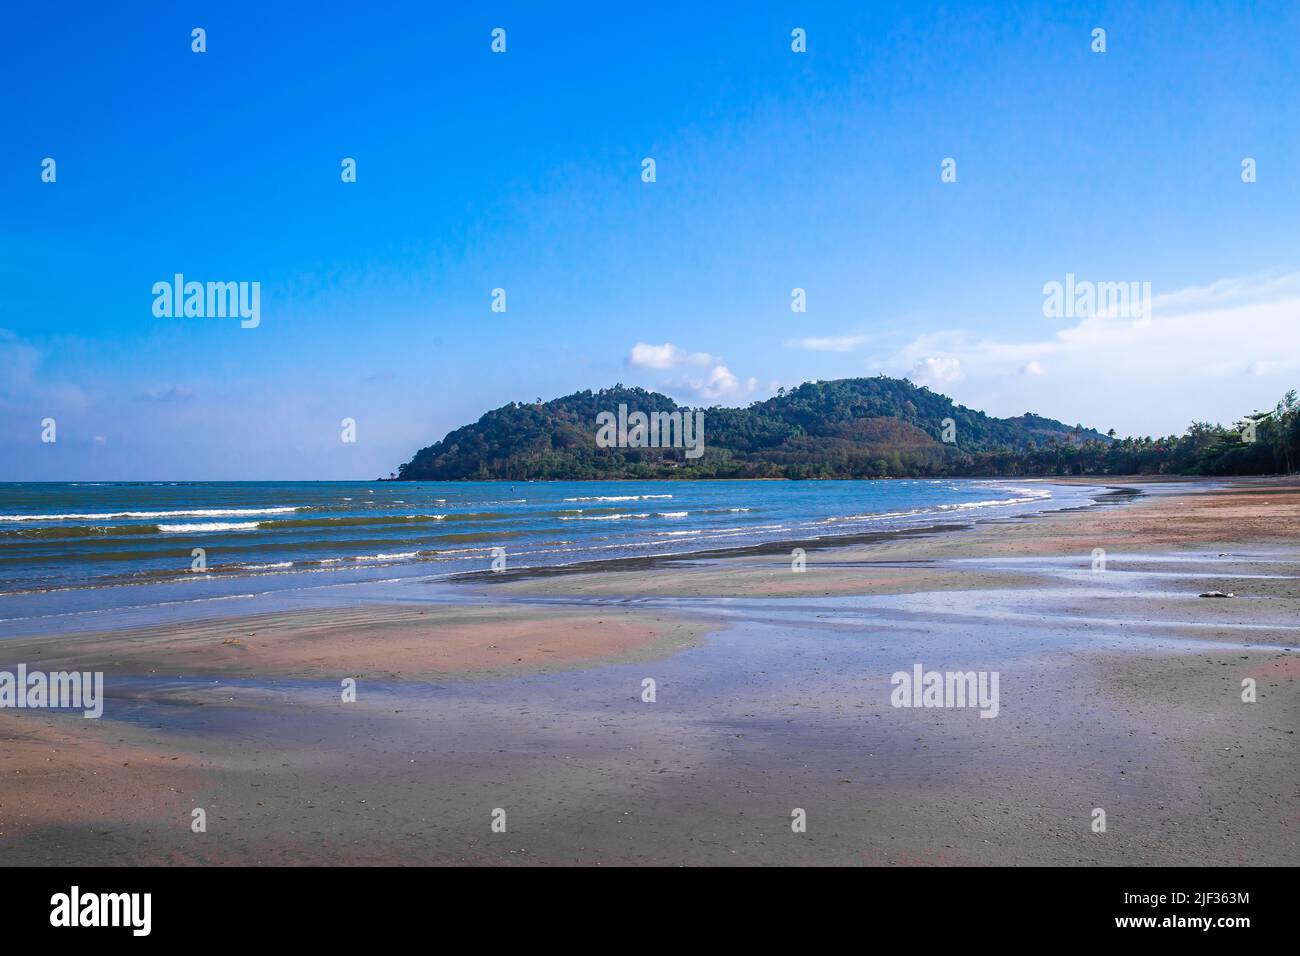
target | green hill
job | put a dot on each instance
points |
(849, 428)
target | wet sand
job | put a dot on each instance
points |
(368, 642)
(1120, 690)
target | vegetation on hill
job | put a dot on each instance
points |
(849, 428)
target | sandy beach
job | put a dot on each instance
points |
(1120, 690)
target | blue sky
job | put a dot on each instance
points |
(521, 170)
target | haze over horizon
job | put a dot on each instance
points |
(775, 170)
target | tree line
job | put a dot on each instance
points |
(877, 427)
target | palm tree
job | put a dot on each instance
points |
(1287, 414)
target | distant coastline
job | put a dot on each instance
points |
(845, 429)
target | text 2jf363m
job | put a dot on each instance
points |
(1212, 899)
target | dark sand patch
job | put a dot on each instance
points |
(390, 641)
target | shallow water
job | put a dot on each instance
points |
(72, 549)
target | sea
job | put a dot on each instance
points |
(78, 555)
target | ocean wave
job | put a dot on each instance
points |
(208, 526)
(872, 517)
(613, 517)
(967, 505)
(56, 532)
(346, 522)
(1031, 495)
(724, 532)
(191, 513)
(625, 514)
(618, 498)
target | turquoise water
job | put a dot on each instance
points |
(79, 546)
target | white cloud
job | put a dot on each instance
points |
(839, 343)
(1213, 352)
(667, 355)
(720, 384)
(936, 370)
(21, 376)
(18, 362)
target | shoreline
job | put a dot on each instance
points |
(286, 586)
(828, 542)
(1119, 690)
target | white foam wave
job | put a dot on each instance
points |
(208, 526)
(196, 513)
(616, 517)
(1030, 495)
(618, 498)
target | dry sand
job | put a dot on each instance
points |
(1120, 690)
